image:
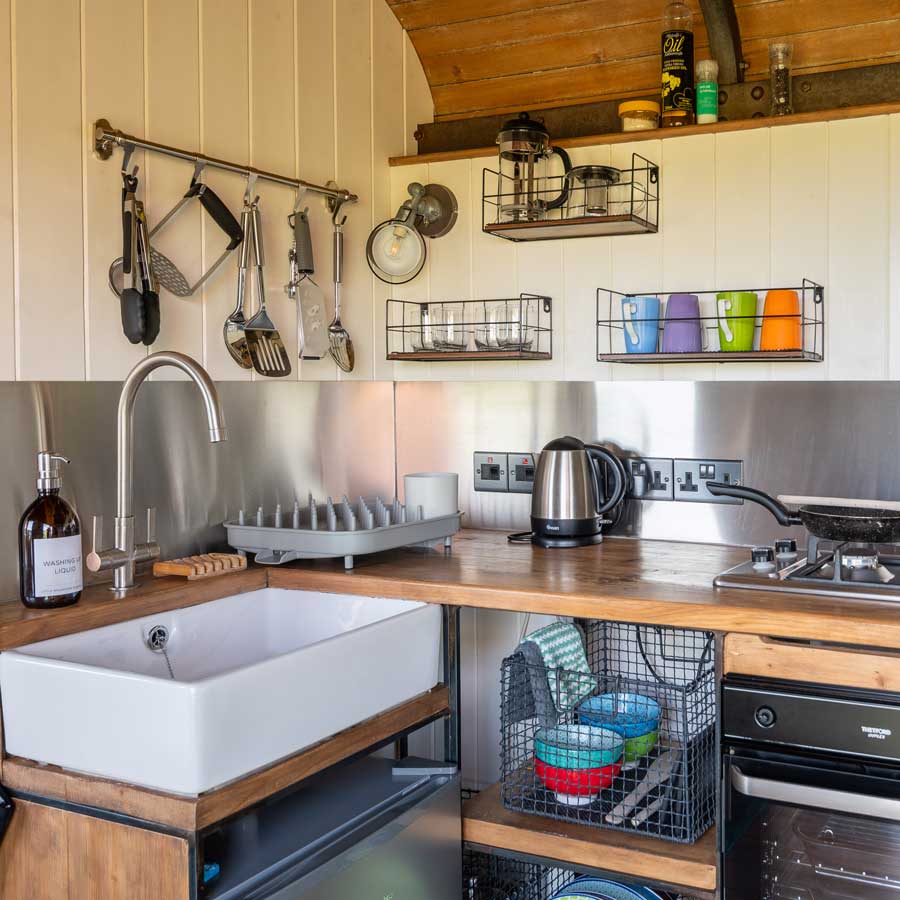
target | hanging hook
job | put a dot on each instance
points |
(251, 186)
(199, 166)
(336, 211)
(299, 198)
(127, 153)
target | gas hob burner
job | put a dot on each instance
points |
(857, 570)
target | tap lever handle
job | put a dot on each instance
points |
(97, 534)
(151, 524)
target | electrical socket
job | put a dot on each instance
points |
(520, 469)
(490, 472)
(691, 476)
(651, 478)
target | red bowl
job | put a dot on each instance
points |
(577, 782)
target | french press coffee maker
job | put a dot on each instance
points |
(527, 190)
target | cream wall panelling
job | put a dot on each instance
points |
(261, 82)
(763, 207)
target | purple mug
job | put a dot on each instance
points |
(682, 332)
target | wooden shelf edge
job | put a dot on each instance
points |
(487, 822)
(595, 140)
(195, 813)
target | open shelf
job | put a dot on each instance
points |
(487, 822)
(617, 202)
(583, 226)
(702, 321)
(470, 330)
(656, 134)
(197, 813)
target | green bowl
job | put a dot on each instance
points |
(638, 747)
(578, 746)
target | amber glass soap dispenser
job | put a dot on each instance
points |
(50, 572)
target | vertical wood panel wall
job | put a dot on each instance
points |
(323, 89)
(755, 208)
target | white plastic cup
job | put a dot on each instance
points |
(437, 493)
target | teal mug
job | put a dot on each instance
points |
(737, 320)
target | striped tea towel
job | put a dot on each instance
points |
(562, 649)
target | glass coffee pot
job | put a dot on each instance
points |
(527, 189)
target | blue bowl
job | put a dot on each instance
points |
(630, 715)
(578, 747)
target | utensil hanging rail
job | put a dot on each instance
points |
(106, 139)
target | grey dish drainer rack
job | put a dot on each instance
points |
(344, 529)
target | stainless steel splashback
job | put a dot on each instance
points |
(284, 439)
(824, 438)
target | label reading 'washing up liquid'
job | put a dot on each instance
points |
(57, 566)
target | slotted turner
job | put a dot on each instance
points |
(263, 340)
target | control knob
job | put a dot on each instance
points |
(765, 716)
(763, 558)
(786, 547)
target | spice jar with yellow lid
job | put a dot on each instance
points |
(639, 115)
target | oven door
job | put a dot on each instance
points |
(809, 828)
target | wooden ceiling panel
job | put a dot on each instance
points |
(486, 57)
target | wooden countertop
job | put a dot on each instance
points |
(98, 606)
(654, 582)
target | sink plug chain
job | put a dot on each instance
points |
(157, 641)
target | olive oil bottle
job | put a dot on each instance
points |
(677, 65)
(50, 570)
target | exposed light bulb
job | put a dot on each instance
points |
(397, 243)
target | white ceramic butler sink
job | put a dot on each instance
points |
(257, 677)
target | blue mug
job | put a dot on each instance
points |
(641, 318)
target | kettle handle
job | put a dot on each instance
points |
(563, 197)
(601, 454)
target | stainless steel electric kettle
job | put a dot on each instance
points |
(574, 485)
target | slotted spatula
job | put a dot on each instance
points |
(263, 340)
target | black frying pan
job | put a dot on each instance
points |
(833, 523)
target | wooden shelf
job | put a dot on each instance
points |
(195, 813)
(714, 356)
(594, 140)
(559, 229)
(468, 355)
(487, 822)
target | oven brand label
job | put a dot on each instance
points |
(876, 734)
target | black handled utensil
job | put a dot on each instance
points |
(859, 524)
(131, 298)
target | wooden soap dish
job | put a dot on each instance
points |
(204, 565)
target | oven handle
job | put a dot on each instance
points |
(822, 798)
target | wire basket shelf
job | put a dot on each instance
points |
(651, 692)
(493, 876)
(644, 328)
(459, 330)
(629, 206)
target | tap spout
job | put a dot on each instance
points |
(136, 377)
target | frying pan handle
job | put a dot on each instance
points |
(779, 510)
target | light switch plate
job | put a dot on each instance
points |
(691, 476)
(490, 472)
(520, 467)
(651, 478)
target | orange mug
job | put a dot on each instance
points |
(781, 322)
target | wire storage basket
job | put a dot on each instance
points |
(514, 328)
(600, 200)
(489, 876)
(752, 324)
(627, 742)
